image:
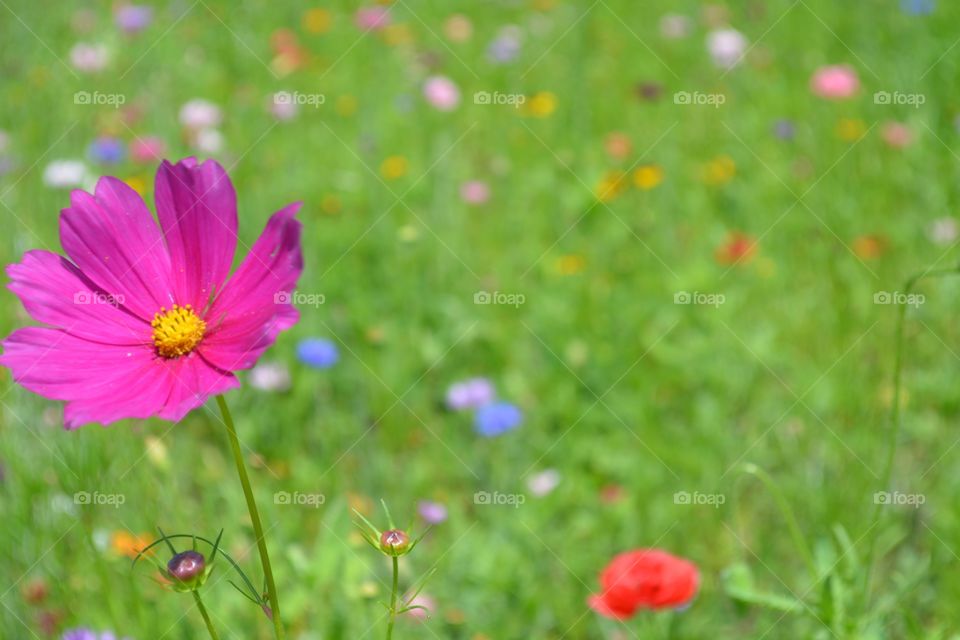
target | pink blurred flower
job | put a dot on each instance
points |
(835, 82)
(475, 192)
(147, 150)
(897, 134)
(372, 18)
(88, 58)
(421, 600)
(442, 93)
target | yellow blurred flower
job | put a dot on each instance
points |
(347, 105)
(330, 204)
(408, 233)
(124, 543)
(394, 167)
(720, 170)
(648, 176)
(138, 184)
(611, 185)
(542, 104)
(317, 20)
(571, 264)
(397, 34)
(157, 452)
(851, 129)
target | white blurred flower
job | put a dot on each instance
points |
(200, 114)
(542, 483)
(943, 230)
(208, 141)
(270, 376)
(88, 58)
(726, 47)
(282, 107)
(63, 174)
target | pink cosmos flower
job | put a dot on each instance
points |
(143, 319)
(835, 82)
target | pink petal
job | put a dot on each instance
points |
(114, 241)
(54, 292)
(104, 383)
(197, 208)
(254, 306)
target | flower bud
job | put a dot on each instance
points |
(394, 542)
(188, 569)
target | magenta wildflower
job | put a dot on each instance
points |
(142, 319)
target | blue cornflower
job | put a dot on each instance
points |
(107, 150)
(918, 7)
(496, 419)
(318, 353)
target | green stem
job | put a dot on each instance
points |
(394, 593)
(254, 517)
(792, 526)
(895, 421)
(206, 616)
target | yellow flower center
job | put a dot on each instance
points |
(176, 332)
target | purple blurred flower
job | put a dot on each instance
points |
(132, 18)
(470, 394)
(318, 353)
(506, 46)
(88, 634)
(784, 129)
(496, 419)
(432, 512)
(107, 150)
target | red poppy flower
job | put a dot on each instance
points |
(738, 247)
(645, 579)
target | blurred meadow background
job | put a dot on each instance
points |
(672, 236)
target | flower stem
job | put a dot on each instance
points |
(394, 593)
(254, 517)
(895, 420)
(206, 616)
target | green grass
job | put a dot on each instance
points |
(619, 386)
